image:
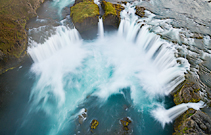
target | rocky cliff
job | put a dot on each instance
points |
(13, 38)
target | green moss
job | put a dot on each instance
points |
(109, 8)
(83, 10)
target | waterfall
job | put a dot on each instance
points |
(100, 28)
(166, 116)
(64, 37)
(69, 70)
(169, 70)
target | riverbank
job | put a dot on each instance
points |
(14, 15)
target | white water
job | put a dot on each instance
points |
(69, 69)
(166, 116)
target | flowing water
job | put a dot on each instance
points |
(129, 72)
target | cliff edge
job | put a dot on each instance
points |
(13, 38)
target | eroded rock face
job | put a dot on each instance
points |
(194, 123)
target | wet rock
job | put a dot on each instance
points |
(94, 124)
(111, 16)
(197, 36)
(125, 123)
(140, 11)
(85, 16)
(188, 93)
(82, 116)
(193, 122)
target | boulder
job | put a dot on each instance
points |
(85, 16)
(111, 16)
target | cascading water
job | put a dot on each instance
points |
(130, 68)
(100, 28)
(166, 116)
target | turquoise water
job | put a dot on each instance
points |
(16, 119)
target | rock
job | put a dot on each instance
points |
(140, 11)
(197, 36)
(193, 122)
(111, 16)
(85, 16)
(82, 116)
(94, 124)
(125, 123)
(13, 37)
(188, 93)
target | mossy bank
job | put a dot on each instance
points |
(14, 15)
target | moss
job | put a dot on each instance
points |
(83, 10)
(108, 8)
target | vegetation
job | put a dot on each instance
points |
(108, 8)
(13, 38)
(84, 10)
